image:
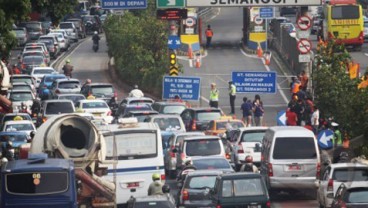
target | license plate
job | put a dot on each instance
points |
(97, 114)
(295, 167)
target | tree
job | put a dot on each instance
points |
(55, 9)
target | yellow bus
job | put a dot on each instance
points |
(343, 21)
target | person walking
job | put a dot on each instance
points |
(258, 110)
(315, 120)
(291, 117)
(209, 35)
(303, 77)
(68, 68)
(246, 107)
(214, 96)
(232, 94)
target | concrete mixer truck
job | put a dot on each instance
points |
(74, 137)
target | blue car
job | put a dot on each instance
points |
(46, 82)
(17, 138)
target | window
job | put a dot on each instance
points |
(20, 127)
(94, 105)
(174, 109)
(350, 174)
(203, 147)
(22, 79)
(37, 183)
(58, 108)
(21, 96)
(213, 163)
(297, 148)
(358, 195)
(21, 87)
(14, 138)
(253, 136)
(141, 101)
(208, 116)
(199, 182)
(166, 124)
(68, 85)
(66, 25)
(248, 187)
(53, 78)
(43, 71)
(227, 188)
(161, 204)
(11, 117)
(102, 90)
(132, 146)
(33, 60)
(345, 12)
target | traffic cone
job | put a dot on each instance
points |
(198, 62)
(190, 52)
(259, 51)
(267, 58)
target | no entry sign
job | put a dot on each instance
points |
(304, 46)
(304, 22)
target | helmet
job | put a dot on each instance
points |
(95, 33)
(248, 159)
(135, 86)
(188, 161)
(156, 176)
(230, 82)
(18, 118)
(67, 61)
(166, 188)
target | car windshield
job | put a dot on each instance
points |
(297, 148)
(173, 109)
(74, 98)
(199, 182)
(58, 108)
(229, 125)
(138, 108)
(366, 24)
(22, 87)
(68, 85)
(167, 124)
(66, 25)
(253, 136)
(33, 60)
(102, 90)
(357, 195)
(20, 96)
(94, 105)
(27, 80)
(33, 27)
(350, 174)
(140, 101)
(33, 48)
(181, 138)
(11, 117)
(19, 32)
(208, 115)
(19, 127)
(40, 183)
(43, 71)
(14, 138)
(53, 78)
(203, 147)
(211, 163)
(243, 187)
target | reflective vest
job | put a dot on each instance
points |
(209, 33)
(296, 87)
(337, 139)
(232, 90)
(214, 95)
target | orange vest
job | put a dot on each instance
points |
(296, 88)
(209, 33)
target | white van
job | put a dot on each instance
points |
(290, 159)
(137, 150)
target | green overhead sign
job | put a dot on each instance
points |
(163, 4)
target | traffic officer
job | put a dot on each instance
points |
(214, 96)
(337, 137)
(232, 94)
(209, 34)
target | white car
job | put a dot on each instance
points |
(64, 46)
(71, 29)
(23, 126)
(98, 108)
(65, 33)
(65, 86)
(39, 72)
(335, 175)
(23, 86)
(21, 96)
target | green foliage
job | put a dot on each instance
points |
(336, 94)
(56, 9)
(138, 42)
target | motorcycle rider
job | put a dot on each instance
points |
(24, 109)
(249, 166)
(136, 92)
(156, 186)
(36, 107)
(68, 68)
(8, 151)
(96, 39)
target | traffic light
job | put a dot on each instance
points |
(172, 59)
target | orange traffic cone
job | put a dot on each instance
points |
(259, 51)
(267, 57)
(190, 52)
(198, 62)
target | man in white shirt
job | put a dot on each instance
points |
(136, 92)
(315, 120)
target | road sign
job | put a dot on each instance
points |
(324, 139)
(257, 20)
(123, 4)
(266, 12)
(188, 88)
(174, 71)
(304, 58)
(174, 42)
(304, 22)
(172, 14)
(190, 21)
(254, 82)
(244, 3)
(281, 118)
(304, 46)
(170, 4)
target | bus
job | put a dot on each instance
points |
(343, 21)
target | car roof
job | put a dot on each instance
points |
(18, 122)
(138, 127)
(201, 137)
(204, 172)
(16, 114)
(43, 67)
(134, 105)
(92, 101)
(99, 84)
(347, 165)
(294, 130)
(240, 175)
(66, 95)
(25, 165)
(253, 128)
(135, 98)
(166, 116)
(67, 79)
(151, 112)
(170, 103)
(54, 75)
(13, 133)
(11, 91)
(208, 157)
(189, 133)
(57, 101)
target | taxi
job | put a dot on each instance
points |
(220, 126)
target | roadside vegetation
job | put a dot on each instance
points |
(138, 43)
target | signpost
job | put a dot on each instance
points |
(188, 88)
(266, 12)
(304, 22)
(304, 46)
(123, 4)
(254, 82)
(281, 118)
(245, 3)
(163, 4)
(174, 42)
(324, 139)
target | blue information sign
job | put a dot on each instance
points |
(254, 82)
(174, 42)
(325, 139)
(266, 12)
(281, 118)
(187, 88)
(123, 4)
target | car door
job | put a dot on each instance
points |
(322, 189)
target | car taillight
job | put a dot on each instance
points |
(44, 119)
(172, 154)
(57, 91)
(194, 125)
(227, 156)
(109, 113)
(318, 170)
(330, 185)
(184, 195)
(270, 170)
(268, 204)
(240, 148)
(133, 185)
(218, 206)
(342, 204)
(23, 152)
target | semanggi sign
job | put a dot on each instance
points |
(254, 82)
(253, 3)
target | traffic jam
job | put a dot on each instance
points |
(69, 142)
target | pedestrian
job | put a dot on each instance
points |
(232, 94)
(337, 137)
(209, 35)
(315, 120)
(258, 110)
(304, 80)
(246, 107)
(293, 81)
(301, 93)
(299, 110)
(291, 117)
(296, 86)
(214, 96)
(16, 70)
(68, 68)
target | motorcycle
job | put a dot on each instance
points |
(95, 47)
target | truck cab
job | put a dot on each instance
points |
(38, 183)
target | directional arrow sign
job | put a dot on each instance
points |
(174, 71)
(325, 139)
(174, 42)
(281, 118)
(170, 4)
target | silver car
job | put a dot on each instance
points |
(71, 29)
(65, 86)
